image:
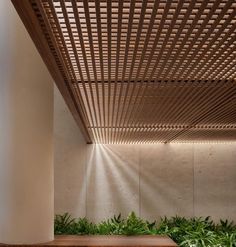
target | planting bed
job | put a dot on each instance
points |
(186, 232)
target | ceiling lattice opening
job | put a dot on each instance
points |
(143, 71)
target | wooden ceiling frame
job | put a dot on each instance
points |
(141, 71)
(52, 58)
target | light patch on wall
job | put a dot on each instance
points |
(112, 181)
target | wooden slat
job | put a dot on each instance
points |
(32, 24)
(142, 71)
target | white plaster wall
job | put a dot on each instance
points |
(152, 180)
(26, 136)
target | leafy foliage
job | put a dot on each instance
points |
(63, 224)
(111, 226)
(199, 232)
(134, 225)
(193, 232)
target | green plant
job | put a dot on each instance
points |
(85, 227)
(193, 232)
(198, 232)
(134, 225)
(63, 224)
(225, 226)
(111, 226)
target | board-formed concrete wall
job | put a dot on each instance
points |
(99, 181)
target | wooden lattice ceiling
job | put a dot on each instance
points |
(141, 70)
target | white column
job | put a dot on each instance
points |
(26, 129)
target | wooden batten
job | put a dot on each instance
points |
(141, 71)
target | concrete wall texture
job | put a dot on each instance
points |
(98, 181)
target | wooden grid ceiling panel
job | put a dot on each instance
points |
(141, 71)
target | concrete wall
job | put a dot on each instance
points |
(99, 181)
(70, 152)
